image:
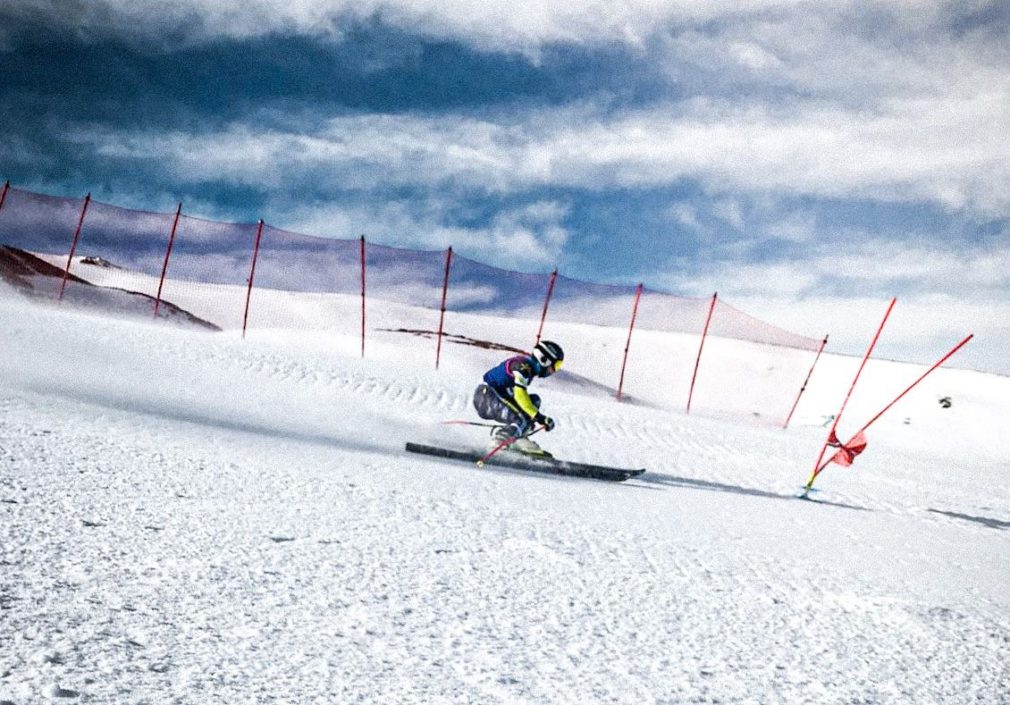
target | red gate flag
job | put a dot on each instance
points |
(847, 452)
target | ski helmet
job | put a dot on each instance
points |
(549, 354)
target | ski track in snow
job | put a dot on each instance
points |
(250, 531)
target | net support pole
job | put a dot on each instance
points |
(803, 388)
(441, 317)
(73, 245)
(697, 362)
(547, 302)
(252, 275)
(362, 297)
(834, 426)
(168, 253)
(898, 398)
(627, 345)
(3, 195)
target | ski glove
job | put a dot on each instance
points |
(547, 422)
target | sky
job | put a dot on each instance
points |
(808, 161)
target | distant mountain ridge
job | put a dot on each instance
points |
(18, 267)
(35, 278)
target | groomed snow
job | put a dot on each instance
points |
(190, 517)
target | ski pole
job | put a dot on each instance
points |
(462, 422)
(507, 442)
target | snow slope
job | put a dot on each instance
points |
(187, 517)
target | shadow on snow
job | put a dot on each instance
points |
(695, 484)
(984, 521)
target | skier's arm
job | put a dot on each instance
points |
(522, 398)
(521, 377)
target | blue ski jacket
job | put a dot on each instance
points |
(510, 380)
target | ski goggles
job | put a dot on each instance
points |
(556, 365)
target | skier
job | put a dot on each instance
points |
(503, 396)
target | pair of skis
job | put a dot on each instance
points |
(501, 457)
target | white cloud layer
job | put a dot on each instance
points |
(890, 101)
(949, 152)
(533, 235)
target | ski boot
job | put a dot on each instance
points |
(521, 444)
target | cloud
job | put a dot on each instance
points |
(813, 49)
(527, 237)
(943, 294)
(885, 102)
(730, 211)
(859, 264)
(685, 214)
(498, 25)
(763, 141)
(921, 328)
(951, 152)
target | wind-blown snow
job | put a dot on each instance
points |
(187, 517)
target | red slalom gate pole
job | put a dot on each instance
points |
(168, 253)
(697, 362)
(547, 301)
(3, 196)
(441, 318)
(252, 275)
(898, 398)
(805, 382)
(916, 382)
(627, 345)
(73, 245)
(832, 433)
(362, 296)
